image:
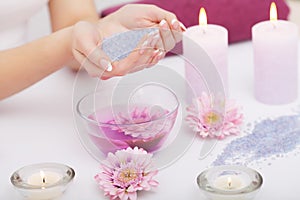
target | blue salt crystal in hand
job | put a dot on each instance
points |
(120, 45)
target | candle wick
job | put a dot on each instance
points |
(229, 184)
(274, 25)
(44, 180)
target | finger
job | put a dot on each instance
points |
(138, 57)
(166, 35)
(153, 59)
(92, 69)
(157, 14)
(176, 30)
(148, 61)
(160, 44)
(149, 41)
(134, 64)
(182, 26)
(86, 39)
(157, 56)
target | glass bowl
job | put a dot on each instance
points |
(127, 116)
(230, 183)
(42, 181)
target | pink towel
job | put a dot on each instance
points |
(238, 16)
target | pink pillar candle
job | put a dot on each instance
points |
(275, 45)
(213, 39)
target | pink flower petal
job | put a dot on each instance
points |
(207, 108)
(126, 172)
(132, 195)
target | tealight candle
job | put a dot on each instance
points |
(213, 39)
(42, 181)
(275, 44)
(230, 183)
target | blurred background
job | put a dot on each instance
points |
(40, 26)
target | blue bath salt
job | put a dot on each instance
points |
(270, 138)
(120, 45)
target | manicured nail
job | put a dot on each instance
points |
(106, 64)
(182, 26)
(109, 67)
(160, 55)
(175, 23)
(163, 23)
(155, 52)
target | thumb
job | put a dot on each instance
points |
(86, 41)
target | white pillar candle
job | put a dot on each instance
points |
(275, 45)
(214, 41)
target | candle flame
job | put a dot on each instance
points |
(229, 182)
(202, 17)
(273, 12)
(43, 176)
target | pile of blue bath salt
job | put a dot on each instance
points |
(268, 140)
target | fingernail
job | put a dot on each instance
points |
(163, 23)
(106, 64)
(155, 52)
(182, 26)
(175, 23)
(160, 55)
(143, 47)
(109, 67)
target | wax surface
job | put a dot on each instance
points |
(50, 178)
(213, 39)
(275, 46)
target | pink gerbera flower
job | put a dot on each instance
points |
(214, 118)
(126, 172)
(142, 122)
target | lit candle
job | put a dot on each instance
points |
(230, 182)
(43, 181)
(275, 44)
(213, 39)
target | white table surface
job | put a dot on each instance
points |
(37, 125)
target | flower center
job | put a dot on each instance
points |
(212, 118)
(127, 175)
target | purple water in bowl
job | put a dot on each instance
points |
(120, 127)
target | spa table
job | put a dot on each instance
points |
(37, 125)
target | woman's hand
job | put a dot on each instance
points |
(86, 50)
(150, 50)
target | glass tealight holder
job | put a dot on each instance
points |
(230, 183)
(42, 181)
